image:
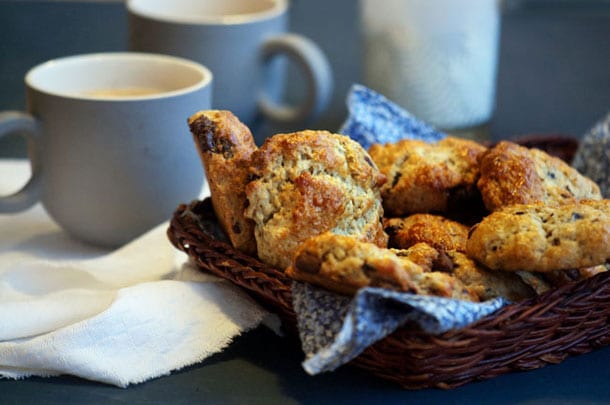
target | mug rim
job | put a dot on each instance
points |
(279, 7)
(205, 75)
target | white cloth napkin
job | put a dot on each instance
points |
(119, 317)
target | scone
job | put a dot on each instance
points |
(479, 281)
(513, 174)
(536, 281)
(560, 278)
(343, 264)
(307, 183)
(436, 230)
(428, 177)
(225, 146)
(425, 256)
(488, 284)
(542, 238)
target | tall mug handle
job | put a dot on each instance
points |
(317, 72)
(26, 125)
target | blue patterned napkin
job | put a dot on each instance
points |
(372, 118)
(593, 155)
(334, 329)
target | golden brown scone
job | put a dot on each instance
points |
(488, 284)
(562, 277)
(588, 272)
(535, 280)
(436, 230)
(513, 174)
(343, 264)
(479, 281)
(541, 238)
(225, 146)
(425, 256)
(428, 177)
(445, 285)
(307, 183)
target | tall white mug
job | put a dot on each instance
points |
(238, 40)
(435, 58)
(108, 141)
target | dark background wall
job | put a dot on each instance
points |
(553, 76)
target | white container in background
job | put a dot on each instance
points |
(435, 58)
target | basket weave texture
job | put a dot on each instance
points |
(570, 320)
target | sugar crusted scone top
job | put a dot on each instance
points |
(310, 182)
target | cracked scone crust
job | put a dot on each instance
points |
(428, 177)
(478, 281)
(513, 174)
(225, 145)
(540, 238)
(488, 284)
(344, 265)
(436, 230)
(307, 183)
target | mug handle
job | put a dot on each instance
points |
(318, 75)
(26, 125)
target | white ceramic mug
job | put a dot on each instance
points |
(435, 58)
(238, 41)
(109, 145)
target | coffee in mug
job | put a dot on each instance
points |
(122, 92)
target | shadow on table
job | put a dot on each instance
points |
(54, 244)
(580, 378)
(261, 367)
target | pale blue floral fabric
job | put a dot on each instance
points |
(372, 118)
(593, 155)
(334, 329)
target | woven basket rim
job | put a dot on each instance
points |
(520, 336)
(570, 320)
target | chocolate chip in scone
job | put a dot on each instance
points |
(204, 129)
(206, 132)
(308, 262)
(576, 216)
(443, 262)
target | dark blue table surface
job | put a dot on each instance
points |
(261, 368)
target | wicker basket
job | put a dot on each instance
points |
(570, 320)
